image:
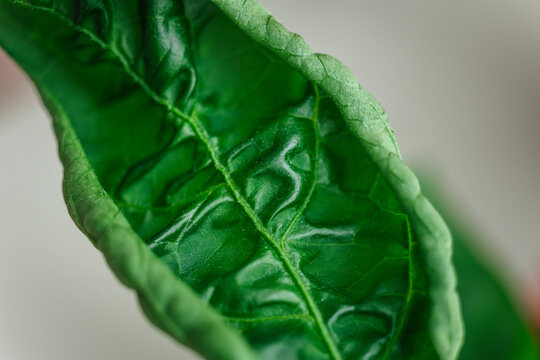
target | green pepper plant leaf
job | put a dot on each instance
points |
(248, 190)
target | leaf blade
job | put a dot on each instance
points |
(383, 154)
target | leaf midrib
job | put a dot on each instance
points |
(274, 244)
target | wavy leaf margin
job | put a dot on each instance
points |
(174, 307)
(168, 302)
(367, 120)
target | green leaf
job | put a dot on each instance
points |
(495, 329)
(250, 191)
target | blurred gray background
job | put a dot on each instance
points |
(460, 81)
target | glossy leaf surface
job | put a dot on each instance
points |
(260, 174)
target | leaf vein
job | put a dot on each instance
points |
(274, 244)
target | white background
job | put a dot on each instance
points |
(460, 81)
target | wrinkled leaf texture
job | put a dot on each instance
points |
(214, 159)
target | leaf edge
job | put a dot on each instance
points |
(368, 121)
(168, 302)
(364, 117)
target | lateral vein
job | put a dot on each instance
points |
(274, 243)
